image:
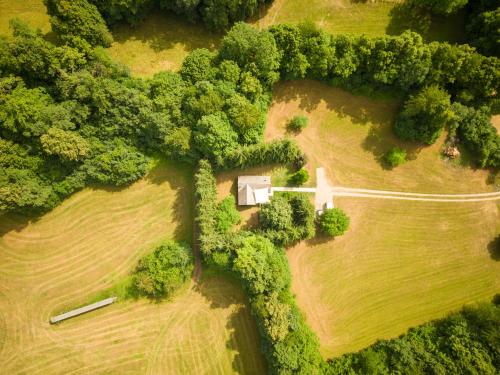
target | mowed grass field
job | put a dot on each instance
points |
(87, 244)
(401, 263)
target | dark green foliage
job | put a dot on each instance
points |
(483, 26)
(299, 178)
(214, 137)
(206, 207)
(334, 222)
(298, 123)
(254, 51)
(395, 156)
(424, 115)
(227, 215)
(117, 164)
(293, 63)
(163, 271)
(246, 118)
(131, 11)
(277, 214)
(440, 6)
(78, 18)
(287, 218)
(197, 66)
(279, 151)
(478, 134)
(467, 342)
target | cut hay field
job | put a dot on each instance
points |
(401, 263)
(88, 243)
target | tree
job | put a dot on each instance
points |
(298, 123)
(424, 115)
(65, 144)
(117, 163)
(277, 214)
(395, 156)
(197, 66)
(254, 51)
(293, 63)
(300, 177)
(261, 265)
(214, 136)
(78, 18)
(334, 222)
(227, 215)
(246, 118)
(163, 271)
(483, 26)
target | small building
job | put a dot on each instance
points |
(253, 190)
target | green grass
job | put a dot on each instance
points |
(401, 263)
(159, 43)
(31, 11)
(92, 242)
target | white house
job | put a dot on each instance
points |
(253, 190)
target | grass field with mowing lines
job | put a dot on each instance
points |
(401, 263)
(87, 244)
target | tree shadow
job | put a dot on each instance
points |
(15, 222)
(406, 16)
(162, 30)
(494, 248)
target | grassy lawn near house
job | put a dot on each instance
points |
(87, 244)
(401, 263)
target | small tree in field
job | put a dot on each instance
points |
(395, 156)
(163, 271)
(300, 177)
(297, 123)
(334, 222)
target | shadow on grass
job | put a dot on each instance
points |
(162, 30)
(494, 248)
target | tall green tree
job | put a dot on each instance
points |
(424, 115)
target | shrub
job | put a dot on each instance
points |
(300, 177)
(334, 222)
(227, 214)
(277, 214)
(298, 123)
(395, 156)
(163, 271)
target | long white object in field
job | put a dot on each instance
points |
(82, 310)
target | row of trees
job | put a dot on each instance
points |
(288, 343)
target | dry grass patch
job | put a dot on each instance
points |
(87, 244)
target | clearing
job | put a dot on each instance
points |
(401, 263)
(31, 11)
(87, 244)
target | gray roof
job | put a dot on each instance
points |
(247, 186)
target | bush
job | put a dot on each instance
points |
(277, 214)
(227, 215)
(297, 123)
(334, 222)
(395, 156)
(300, 177)
(163, 271)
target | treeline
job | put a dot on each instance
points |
(467, 342)
(215, 14)
(288, 343)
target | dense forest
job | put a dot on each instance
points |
(70, 117)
